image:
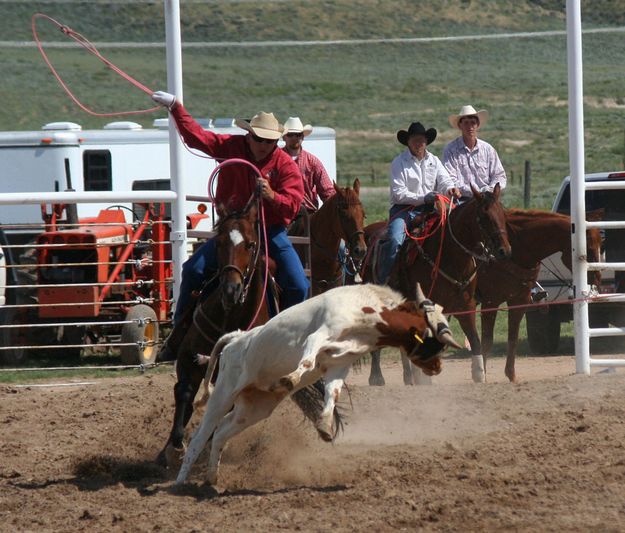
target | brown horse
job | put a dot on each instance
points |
(533, 235)
(475, 234)
(340, 217)
(238, 302)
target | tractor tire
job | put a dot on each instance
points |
(17, 335)
(13, 336)
(136, 332)
(543, 331)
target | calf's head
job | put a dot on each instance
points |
(421, 329)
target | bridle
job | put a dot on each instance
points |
(486, 256)
(248, 274)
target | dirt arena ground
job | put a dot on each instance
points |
(544, 455)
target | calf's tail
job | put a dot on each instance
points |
(212, 360)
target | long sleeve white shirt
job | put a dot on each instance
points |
(412, 179)
(480, 166)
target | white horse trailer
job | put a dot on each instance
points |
(122, 156)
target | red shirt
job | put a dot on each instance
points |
(236, 183)
(317, 183)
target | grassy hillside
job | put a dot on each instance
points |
(366, 92)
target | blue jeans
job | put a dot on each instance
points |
(399, 217)
(290, 275)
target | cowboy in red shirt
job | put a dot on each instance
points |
(281, 191)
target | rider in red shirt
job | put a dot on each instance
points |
(281, 191)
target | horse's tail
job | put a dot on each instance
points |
(311, 401)
(212, 360)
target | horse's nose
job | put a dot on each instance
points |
(359, 251)
(231, 293)
(504, 252)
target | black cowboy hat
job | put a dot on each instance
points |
(416, 128)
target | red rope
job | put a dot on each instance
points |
(82, 41)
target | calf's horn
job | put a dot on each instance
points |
(446, 338)
(419, 294)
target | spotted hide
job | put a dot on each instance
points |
(319, 338)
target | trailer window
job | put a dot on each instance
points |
(97, 170)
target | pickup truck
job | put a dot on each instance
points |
(543, 323)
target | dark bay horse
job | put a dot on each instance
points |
(238, 302)
(446, 266)
(533, 235)
(340, 217)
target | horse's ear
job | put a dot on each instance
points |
(336, 186)
(357, 186)
(497, 191)
(476, 194)
(222, 210)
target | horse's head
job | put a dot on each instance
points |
(352, 219)
(237, 252)
(491, 220)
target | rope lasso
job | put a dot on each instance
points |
(87, 45)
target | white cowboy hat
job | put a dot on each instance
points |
(264, 125)
(469, 111)
(294, 125)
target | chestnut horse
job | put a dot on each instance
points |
(340, 217)
(238, 302)
(446, 266)
(533, 235)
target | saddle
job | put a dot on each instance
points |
(420, 225)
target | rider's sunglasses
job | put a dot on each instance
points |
(261, 140)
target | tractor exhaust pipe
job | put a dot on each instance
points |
(70, 209)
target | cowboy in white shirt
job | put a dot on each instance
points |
(416, 177)
(470, 160)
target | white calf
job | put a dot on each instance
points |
(320, 337)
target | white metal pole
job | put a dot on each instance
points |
(578, 202)
(174, 86)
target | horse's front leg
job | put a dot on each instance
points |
(478, 364)
(375, 376)
(190, 376)
(514, 321)
(488, 327)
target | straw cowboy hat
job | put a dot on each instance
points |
(468, 111)
(264, 125)
(294, 125)
(416, 128)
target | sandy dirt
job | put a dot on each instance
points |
(546, 454)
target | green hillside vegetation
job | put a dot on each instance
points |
(366, 92)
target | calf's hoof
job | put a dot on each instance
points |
(285, 384)
(325, 431)
(477, 369)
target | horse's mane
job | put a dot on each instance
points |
(231, 215)
(515, 215)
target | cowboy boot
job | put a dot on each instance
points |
(169, 349)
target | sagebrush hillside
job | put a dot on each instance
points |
(365, 91)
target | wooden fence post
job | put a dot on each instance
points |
(527, 185)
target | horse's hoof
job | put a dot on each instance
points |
(173, 456)
(377, 381)
(477, 369)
